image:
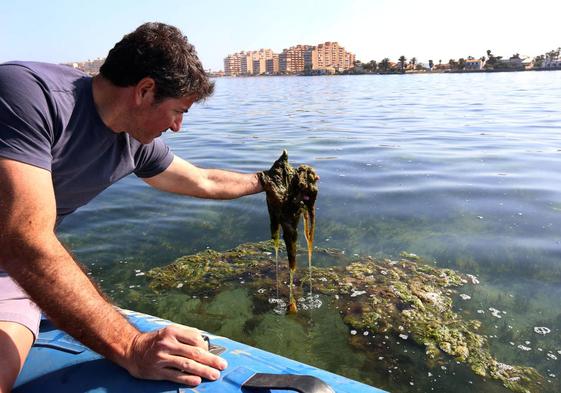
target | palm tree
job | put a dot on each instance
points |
(402, 60)
(538, 61)
(491, 60)
(413, 61)
(384, 64)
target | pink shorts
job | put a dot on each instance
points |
(16, 306)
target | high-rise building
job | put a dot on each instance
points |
(350, 60)
(232, 66)
(260, 59)
(332, 56)
(292, 60)
(246, 63)
(272, 65)
(326, 57)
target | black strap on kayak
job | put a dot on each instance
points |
(298, 383)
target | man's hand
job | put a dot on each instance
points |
(272, 179)
(175, 353)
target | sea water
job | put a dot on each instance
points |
(463, 170)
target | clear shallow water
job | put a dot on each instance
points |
(461, 169)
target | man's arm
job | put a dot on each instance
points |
(182, 177)
(31, 253)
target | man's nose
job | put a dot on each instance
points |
(177, 122)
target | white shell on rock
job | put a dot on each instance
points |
(542, 330)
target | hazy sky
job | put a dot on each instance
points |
(64, 31)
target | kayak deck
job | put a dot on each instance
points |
(58, 363)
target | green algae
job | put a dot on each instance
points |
(406, 298)
(291, 193)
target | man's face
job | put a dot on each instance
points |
(151, 119)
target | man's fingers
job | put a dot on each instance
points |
(189, 343)
(192, 367)
(181, 377)
(199, 355)
(186, 335)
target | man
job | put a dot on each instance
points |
(64, 137)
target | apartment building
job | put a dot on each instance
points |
(250, 63)
(330, 55)
(272, 65)
(232, 65)
(293, 59)
(327, 57)
(260, 59)
(246, 63)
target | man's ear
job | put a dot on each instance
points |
(145, 91)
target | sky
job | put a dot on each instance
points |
(61, 31)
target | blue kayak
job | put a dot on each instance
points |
(58, 363)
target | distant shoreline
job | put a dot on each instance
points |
(388, 73)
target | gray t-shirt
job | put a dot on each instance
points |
(48, 119)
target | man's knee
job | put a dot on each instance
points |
(19, 322)
(15, 342)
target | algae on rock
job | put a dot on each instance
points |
(404, 297)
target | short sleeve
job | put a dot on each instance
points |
(26, 117)
(152, 159)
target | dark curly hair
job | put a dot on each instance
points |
(163, 53)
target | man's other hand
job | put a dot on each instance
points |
(175, 353)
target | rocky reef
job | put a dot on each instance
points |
(406, 297)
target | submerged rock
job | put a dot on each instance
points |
(403, 297)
